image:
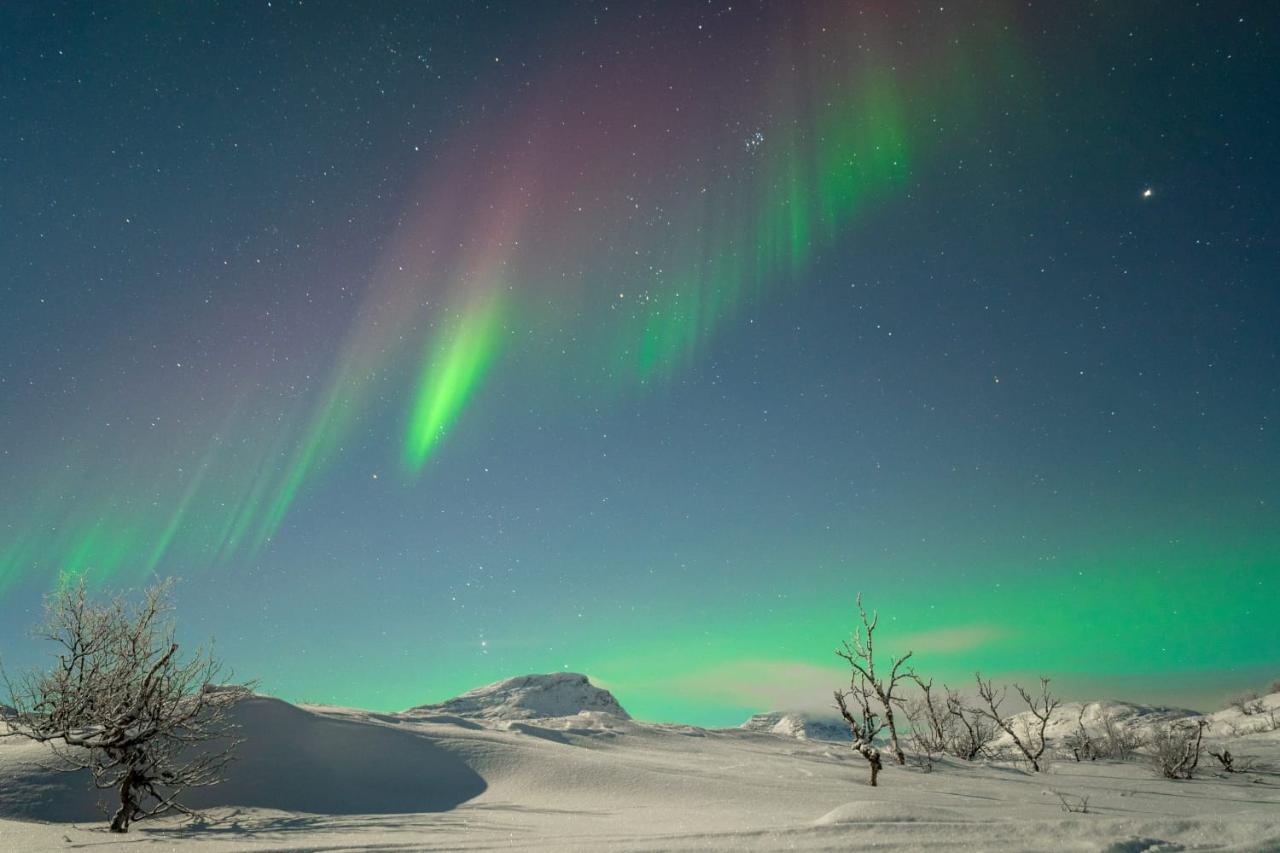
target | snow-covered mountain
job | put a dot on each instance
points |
(529, 697)
(799, 725)
(1095, 717)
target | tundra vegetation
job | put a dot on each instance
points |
(121, 703)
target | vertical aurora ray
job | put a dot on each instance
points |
(455, 363)
(837, 132)
(743, 184)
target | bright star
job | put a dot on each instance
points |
(1148, 192)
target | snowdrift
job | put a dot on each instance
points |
(291, 760)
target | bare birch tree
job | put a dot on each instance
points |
(1031, 743)
(121, 703)
(864, 724)
(859, 652)
(972, 732)
(932, 729)
(1081, 742)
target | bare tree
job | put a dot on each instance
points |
(1082, 744)
(121, 704)
(931, 728)
(1225, 758)
(860, 655)
(972, 732)
(1118, 742)
(1073, 804)
(1175, 748)
(1249, 703)
(864, 724)
(1031, 743)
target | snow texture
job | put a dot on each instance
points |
(800, 725)
(534, 764)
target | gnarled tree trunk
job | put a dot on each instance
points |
(120, 820)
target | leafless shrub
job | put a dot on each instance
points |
(1080, 742)
(971, 734)
(859, 653)
(121, 704)
(1118, 743)
(933, 730)
(1270, 722)
(1249, 703)
(1073, 804)
(930, 726)
(1175, 748)
(1031, 740)
(1225, 758)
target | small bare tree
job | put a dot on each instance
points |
(864, 724)
(859, 652)
(1249, 703)
(121, 704)
(1225, 758)
(1081, 742)
(972, 732)
(931, 727)
(1031, 743)
(1175, 748)
(1118, 742)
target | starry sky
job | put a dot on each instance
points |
(433, 343)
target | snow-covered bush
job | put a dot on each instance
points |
(1175, 748)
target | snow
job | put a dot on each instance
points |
(528, 697)
(800, 725)
(1125, 715)
(489, 773)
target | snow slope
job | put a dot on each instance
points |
(343, 779)
(291, 759)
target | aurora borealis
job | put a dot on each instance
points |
(449, 341)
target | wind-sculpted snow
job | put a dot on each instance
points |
(344, 779)
(291, 759)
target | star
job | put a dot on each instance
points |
(1148, 192)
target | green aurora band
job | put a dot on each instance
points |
(766, 212)
(451, 371)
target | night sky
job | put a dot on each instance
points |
(440, 342)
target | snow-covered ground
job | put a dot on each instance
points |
(494, 769)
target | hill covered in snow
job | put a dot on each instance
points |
(528, 697)
(799, 725)
(1096, 717)
(554, 763)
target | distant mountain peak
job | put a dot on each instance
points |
(529, 697)
(800, 725)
